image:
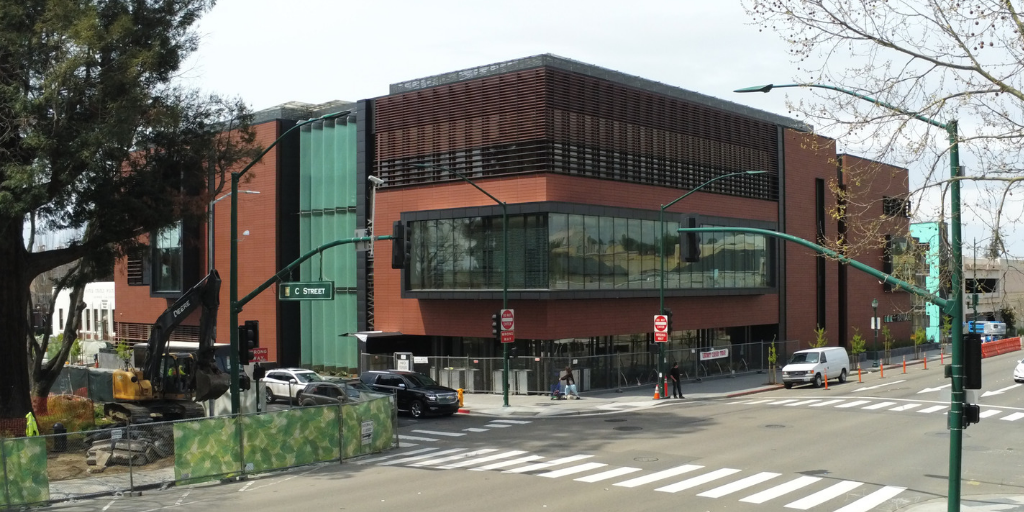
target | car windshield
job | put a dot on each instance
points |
(309, 377)
(419, 380)
(804, 357)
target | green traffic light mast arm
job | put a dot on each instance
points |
(706, 183)
(460, 175)
(285, 134)
(945, 304)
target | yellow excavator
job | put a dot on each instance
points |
(170, 385)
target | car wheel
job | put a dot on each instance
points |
(789, 385)
(298, 397)
(842, 376)
(270, 396)
(416, 409)
(817, 380)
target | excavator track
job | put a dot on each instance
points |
(148, 412)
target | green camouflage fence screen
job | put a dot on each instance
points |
(290, 438)
(24, 469)
(367, 427)
(205, 449)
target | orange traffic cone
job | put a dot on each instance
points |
(657, 392)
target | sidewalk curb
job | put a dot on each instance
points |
(755, 391)
(463, 410)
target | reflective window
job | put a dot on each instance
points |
(168, 255)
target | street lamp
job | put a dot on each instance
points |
(504, 270)
(234, 309)
(211, 228)
(956, 306)
(874, 325)
(661, 228)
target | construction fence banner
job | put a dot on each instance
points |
(24, 469)
(368, 427)
(312, 436)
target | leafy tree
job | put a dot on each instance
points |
(887, 341)
(857, 345)
(1009, 319)
(96, 137)
(820, 338)
(919, 337)
(944, 60)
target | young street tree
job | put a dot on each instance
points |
(96, 137)
(944, 60)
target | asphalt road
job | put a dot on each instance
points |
(880, 445)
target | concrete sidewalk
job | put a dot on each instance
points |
(605, 401)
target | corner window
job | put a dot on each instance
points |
(167, 260)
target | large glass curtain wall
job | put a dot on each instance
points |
(559, 251)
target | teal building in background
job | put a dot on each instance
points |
(931, 236)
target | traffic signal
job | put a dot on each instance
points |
(496, 325)
(668, 313)
(248, 340)
(399, 246)
(972, 361)
(972, 414)
(689, 243)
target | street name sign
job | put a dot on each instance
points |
(311, 290)
(661, 328)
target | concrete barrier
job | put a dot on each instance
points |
(998, 347)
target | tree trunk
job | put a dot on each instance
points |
(14, 324)
(44, 375)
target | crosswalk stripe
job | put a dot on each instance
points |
(393, 455)
(752, 402)
(404, 445)
(514, 422)
(780, 490)
(990, 412)
(481, 460)
(698, 480)
(905, 407)
(879, 405)
(739, 485)
(824, 495)
(607, 474)
(419, 457)
(933, 409)
(873, 500)
(660, 475)
(740, 402)
(436, 433)
(780, 402)
(548, 464)
(828, 402)
(414, 438)
(572, 470)
(449, 458)
(497, 425)
(471, 429)
(854, 403)
(805, 402)
(507, 463)
(1013, 417)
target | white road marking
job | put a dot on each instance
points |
(497, 425)
(405, 445)
(573, 470)
(698, 480)
(660, 475)
(449, 458)
(824, 495)
(933, 409)
(109, 504)
(780, 490)
(752, 402)
(829, 402)
(393, 455)
(1000, 391)
(1013, 417)
(507, 463)
(990, 412)
(481, 460)
(607, 474)
(780, 402)
(879, 405)
(475, 429)
(805, 402)
(436, 433)
(878, 386)
(854, 403)
(739, 485)
(548, 464)
(906, 407)
(420, 457)
(247, 485)
(181, 499)
(873, 500)
(929, 390)
(414, 438)
(514, 422)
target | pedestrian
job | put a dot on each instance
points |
(677, 391)
(570, 384)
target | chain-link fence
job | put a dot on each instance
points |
(63, 466)
(537, 375)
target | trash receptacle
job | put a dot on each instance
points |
(60, 439)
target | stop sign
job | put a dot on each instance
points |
(508, 320)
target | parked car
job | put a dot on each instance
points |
(1018, 372)
(287, 383)
(813, 365)
(416, 393)
(324, 393)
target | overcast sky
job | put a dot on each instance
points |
(272, 51)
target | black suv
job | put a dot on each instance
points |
(417, 393)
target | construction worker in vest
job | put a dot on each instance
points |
(31, 427)
(171, 382)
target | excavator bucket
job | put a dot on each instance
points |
(211, 383)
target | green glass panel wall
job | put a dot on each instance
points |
(328, 213)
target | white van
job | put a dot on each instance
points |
(813, 364)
